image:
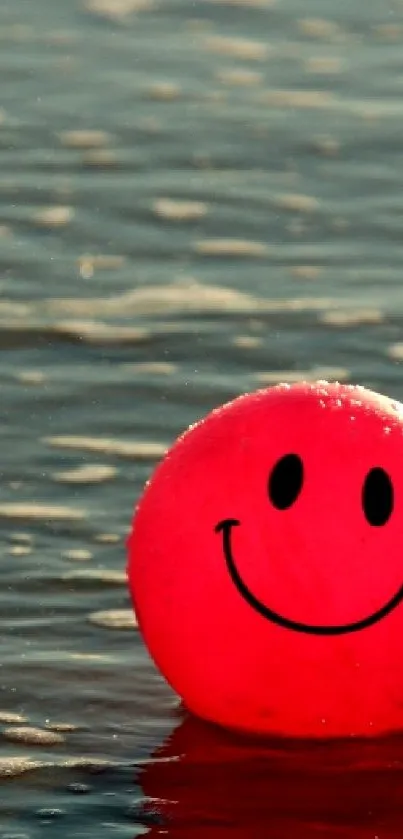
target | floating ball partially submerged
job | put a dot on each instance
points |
(266, 563)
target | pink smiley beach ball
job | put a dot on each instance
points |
(265, 563)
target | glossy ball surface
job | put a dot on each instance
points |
(266, 563)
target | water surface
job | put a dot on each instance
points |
(196, 198)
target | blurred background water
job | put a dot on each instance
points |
(196, 198)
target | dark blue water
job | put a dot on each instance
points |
(196, 198)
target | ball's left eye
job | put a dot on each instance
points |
(377, 497)
(285, 481)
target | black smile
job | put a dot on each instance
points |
(225, 527)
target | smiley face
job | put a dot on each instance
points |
(284, 487)
(266, 562)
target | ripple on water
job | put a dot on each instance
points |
(114, 619)
(306, 272)
(77, 554)
(303, 99)
(28, 510)
(231, 248)
(247, 4)
(248, 342)
(31, 377)
(353, 317)
(395, 351)
(323, 65)
(102, 575)
(242, 48)
(179, 210)
(21, 537)
(297, 203)
(87, 474)
(10, 718)
(102, 158)
(10, 309)
(105, 658)
(326, 145)
(20, 550)
(186, 296)
(53, 216)
(136, 450)
(117, 10)
(61, 727)
(85, 139)
(88, 264)
(153, 368)
(92, 764)
(339, 374)
(321, 28)
(95, 332)
(33, 736)
(11, 767)
(164, 91)
(108, 538)
(239, 77)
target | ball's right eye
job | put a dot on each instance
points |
(377, 497)
(285, 481)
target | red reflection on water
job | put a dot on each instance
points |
(208, 783)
